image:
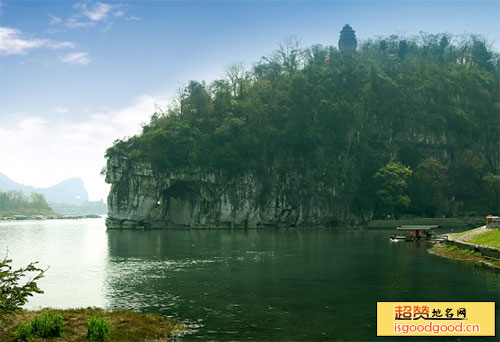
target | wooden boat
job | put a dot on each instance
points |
(418, 233)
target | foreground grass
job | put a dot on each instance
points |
(127, 326)
(453, 252)
(490, 239)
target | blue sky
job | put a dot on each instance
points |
(75, 75)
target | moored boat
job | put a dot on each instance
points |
(418, 233)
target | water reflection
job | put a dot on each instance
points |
(74, 253)
(242, 285)
(281, 285)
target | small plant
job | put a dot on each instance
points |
(452, 248)
(98, 329)
(24, 332)
(50, 324)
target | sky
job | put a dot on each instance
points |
(77, 75)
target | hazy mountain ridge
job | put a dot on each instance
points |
(70, 191)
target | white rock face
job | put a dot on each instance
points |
(139, 198)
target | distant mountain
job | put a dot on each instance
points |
(70, 191)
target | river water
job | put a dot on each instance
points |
(242, 285)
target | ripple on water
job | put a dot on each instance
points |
(130, 282)
(242, 285)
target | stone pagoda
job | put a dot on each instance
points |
(347, 40)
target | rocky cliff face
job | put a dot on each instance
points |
(281, 196)
(140, 198)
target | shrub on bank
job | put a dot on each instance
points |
(48, 325)
(24, 332)
(98, 329)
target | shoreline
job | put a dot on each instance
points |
(463, 222)
(458, 247)
(46, 217)
(468, 256)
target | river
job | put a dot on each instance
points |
(242, 284)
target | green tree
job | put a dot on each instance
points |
(318, 112)
(14, 202)
(432, 182)
(382, 46)
(481, 55)
(403, 49)
(491, 191)
(14, 292)
(468, 169)
(38, 202)
(393, 182)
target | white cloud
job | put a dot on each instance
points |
(133, 18)
(54, 20)
(76, 58)
(59, 45)
(75, 23)
(11, 42)
(14, 42)
(119, 14)
(40, 152)
(91, 14)
(96, 12)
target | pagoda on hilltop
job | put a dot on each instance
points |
(347, 40)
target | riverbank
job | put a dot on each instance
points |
(481, 236)
(480, 245)
(126, 326)
(467, 255)
(45, 217)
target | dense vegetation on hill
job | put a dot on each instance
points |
(15, 203)
(411, 126)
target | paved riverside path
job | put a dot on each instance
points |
(470, 235)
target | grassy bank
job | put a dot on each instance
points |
(126, 326)
(490, 239)
(481, 236)
(453, 252)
